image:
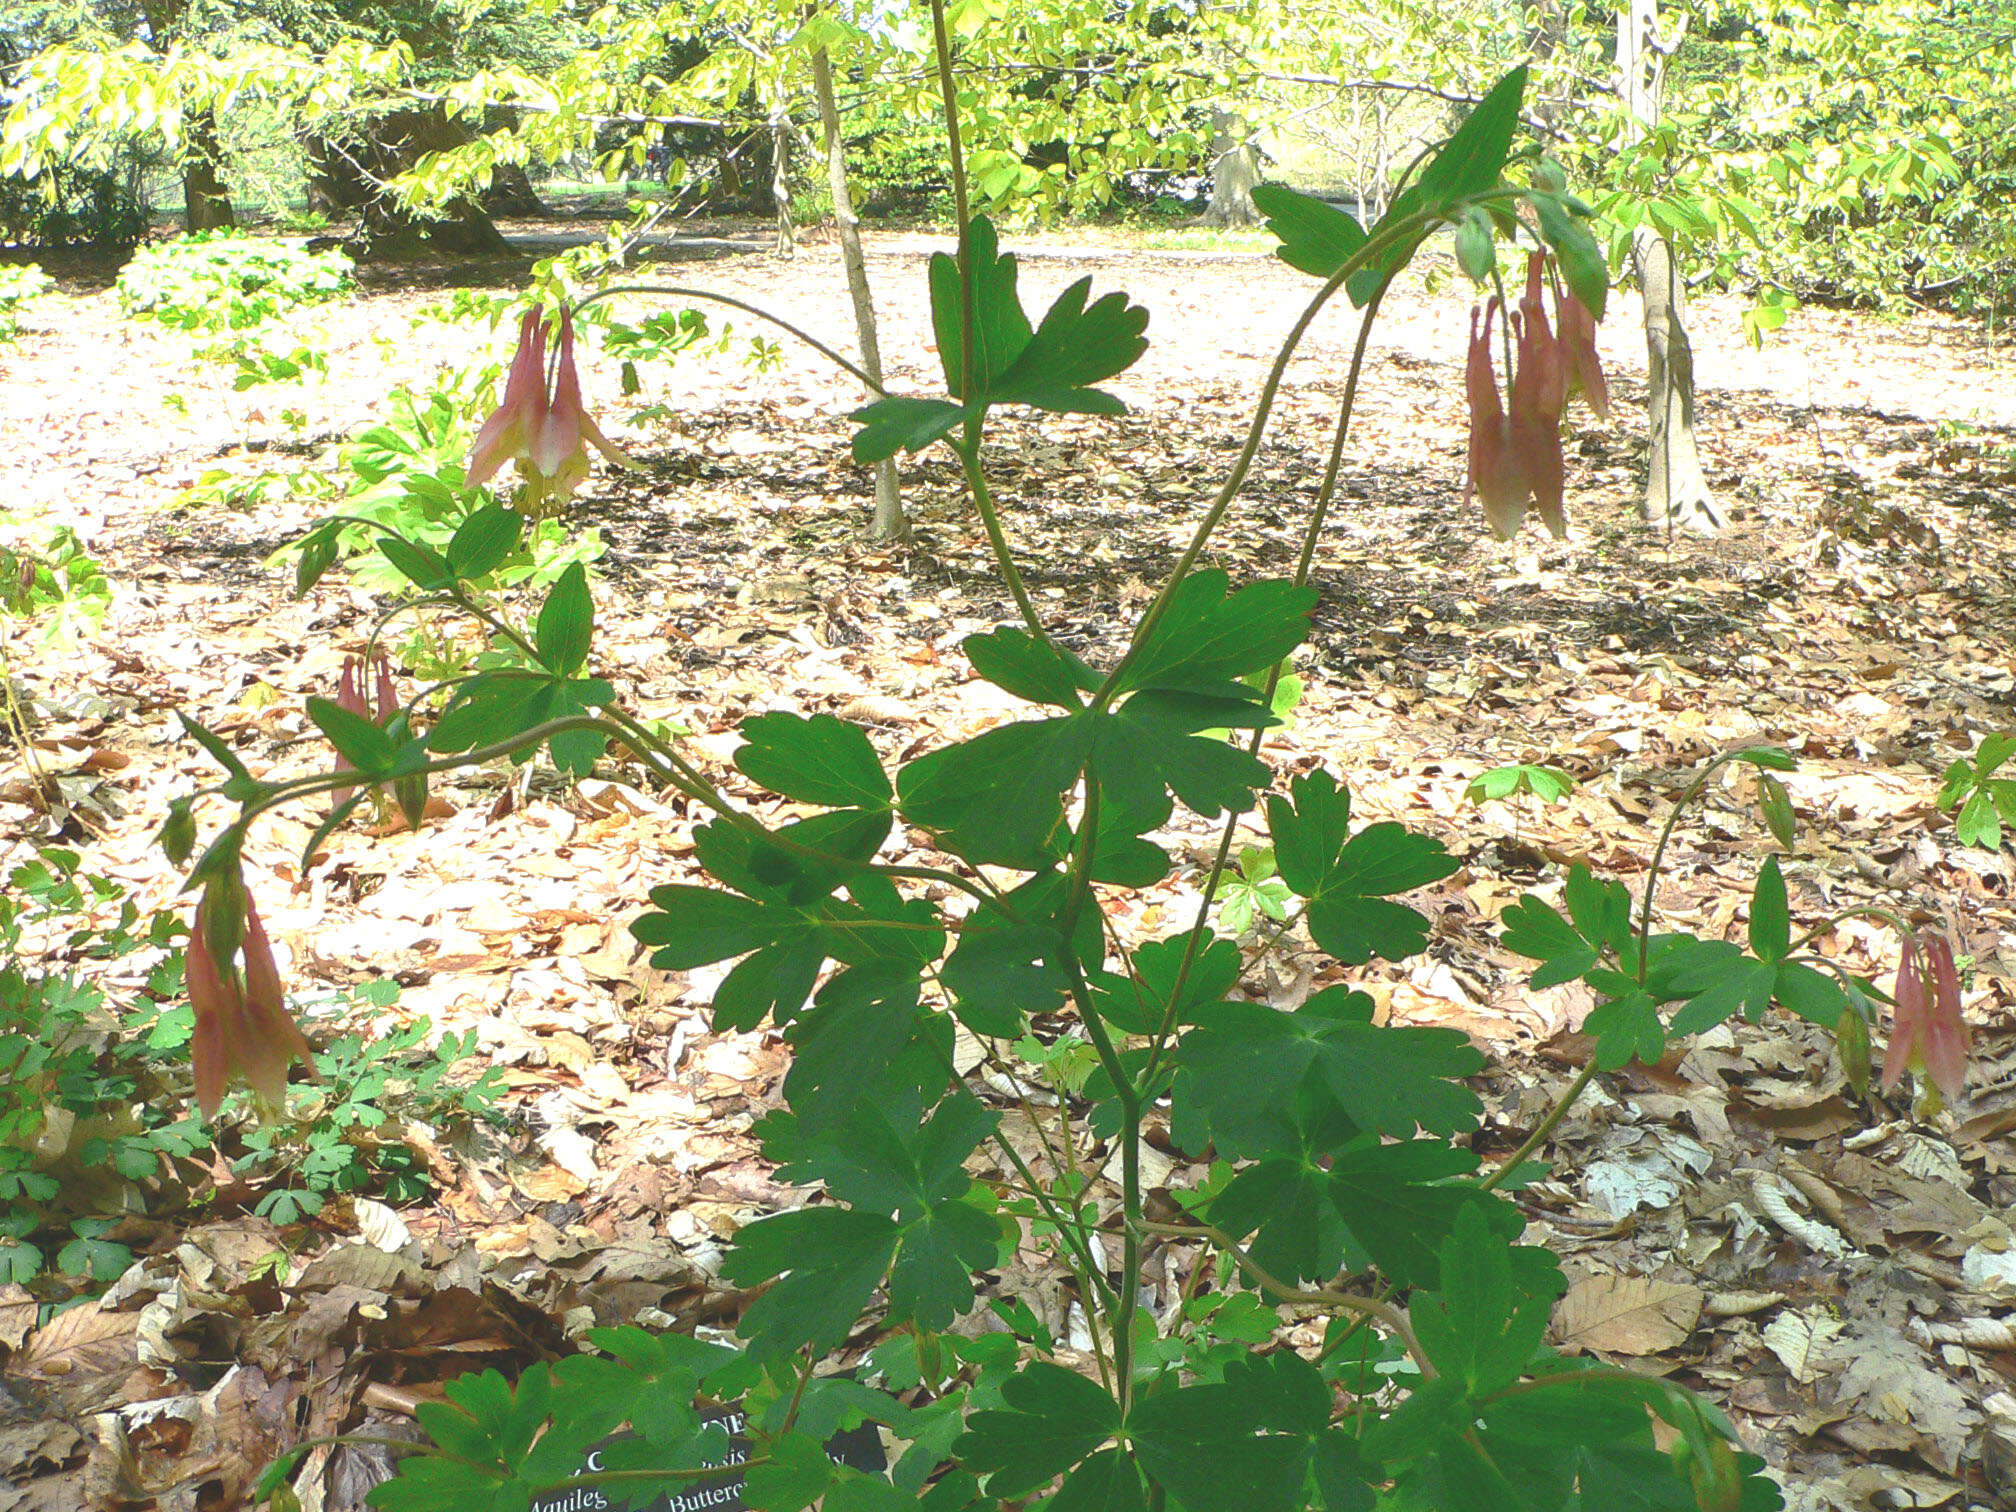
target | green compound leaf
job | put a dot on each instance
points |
(1050, 1419)
(1244, 1062)
(1052, 367)
(1141, 1004)
(1548, 784)
(1626, 1028)
(791, 938)
(1000, 329)
(858, 1026)
(997, 798)
(1390, 1199)
(827, 1262)
(1345, 879)
(696, 926)
(1073, 349)
(1533, 928)
(931, 1282)
(814, 759)
(1251, 1443)
(565, 624)
(1107, 1482)
(1315, 237)
(1208, 638)
(1009, 964)
(1478, 1328)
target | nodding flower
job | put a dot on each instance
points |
(379, 706)
(1495, 474)
(1515, 454)
(243, 1028)
(541, 423)
(1578, 346)
(1928, 1036)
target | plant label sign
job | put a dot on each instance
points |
(858, 1448)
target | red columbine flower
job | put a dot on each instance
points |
(541, 425)
(1495, 476)
(1539, 394)
(1578, 346)
(1516, 458)
(242, 1024)
(1928, 1035)
(379, 706)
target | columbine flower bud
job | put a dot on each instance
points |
(542, 427)
(1928, 1035)
(242, 1024)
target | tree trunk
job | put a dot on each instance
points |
(1676, 489)
(206, 201)
(351, 176)
(511, 194)
(1235, 171)
(780, 179)
(889, 523)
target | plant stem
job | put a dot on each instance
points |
(676, 291)
(1544, 1129)
(1366, 256)
(1304, 562)
(968, 451)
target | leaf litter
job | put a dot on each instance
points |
(1838, 1277)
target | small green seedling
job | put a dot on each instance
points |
(1986, 802)
(1254, 890)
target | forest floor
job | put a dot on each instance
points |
(1840, 1275)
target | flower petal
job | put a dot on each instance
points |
(1494, 470)
(210, 999)
(557, 440)
(1906, 1023)
(509, 430)
(269, 1039)
(1942, 1042)
(1585, 368)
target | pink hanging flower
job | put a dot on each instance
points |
(1539, 395)
(1495, 474)
(1515, 456)
(508, 433)
(378, 707)
(541, 425)
(1928, 1036)
(1578, 345)
(242, 1024)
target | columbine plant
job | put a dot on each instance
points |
(1345, 1183)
